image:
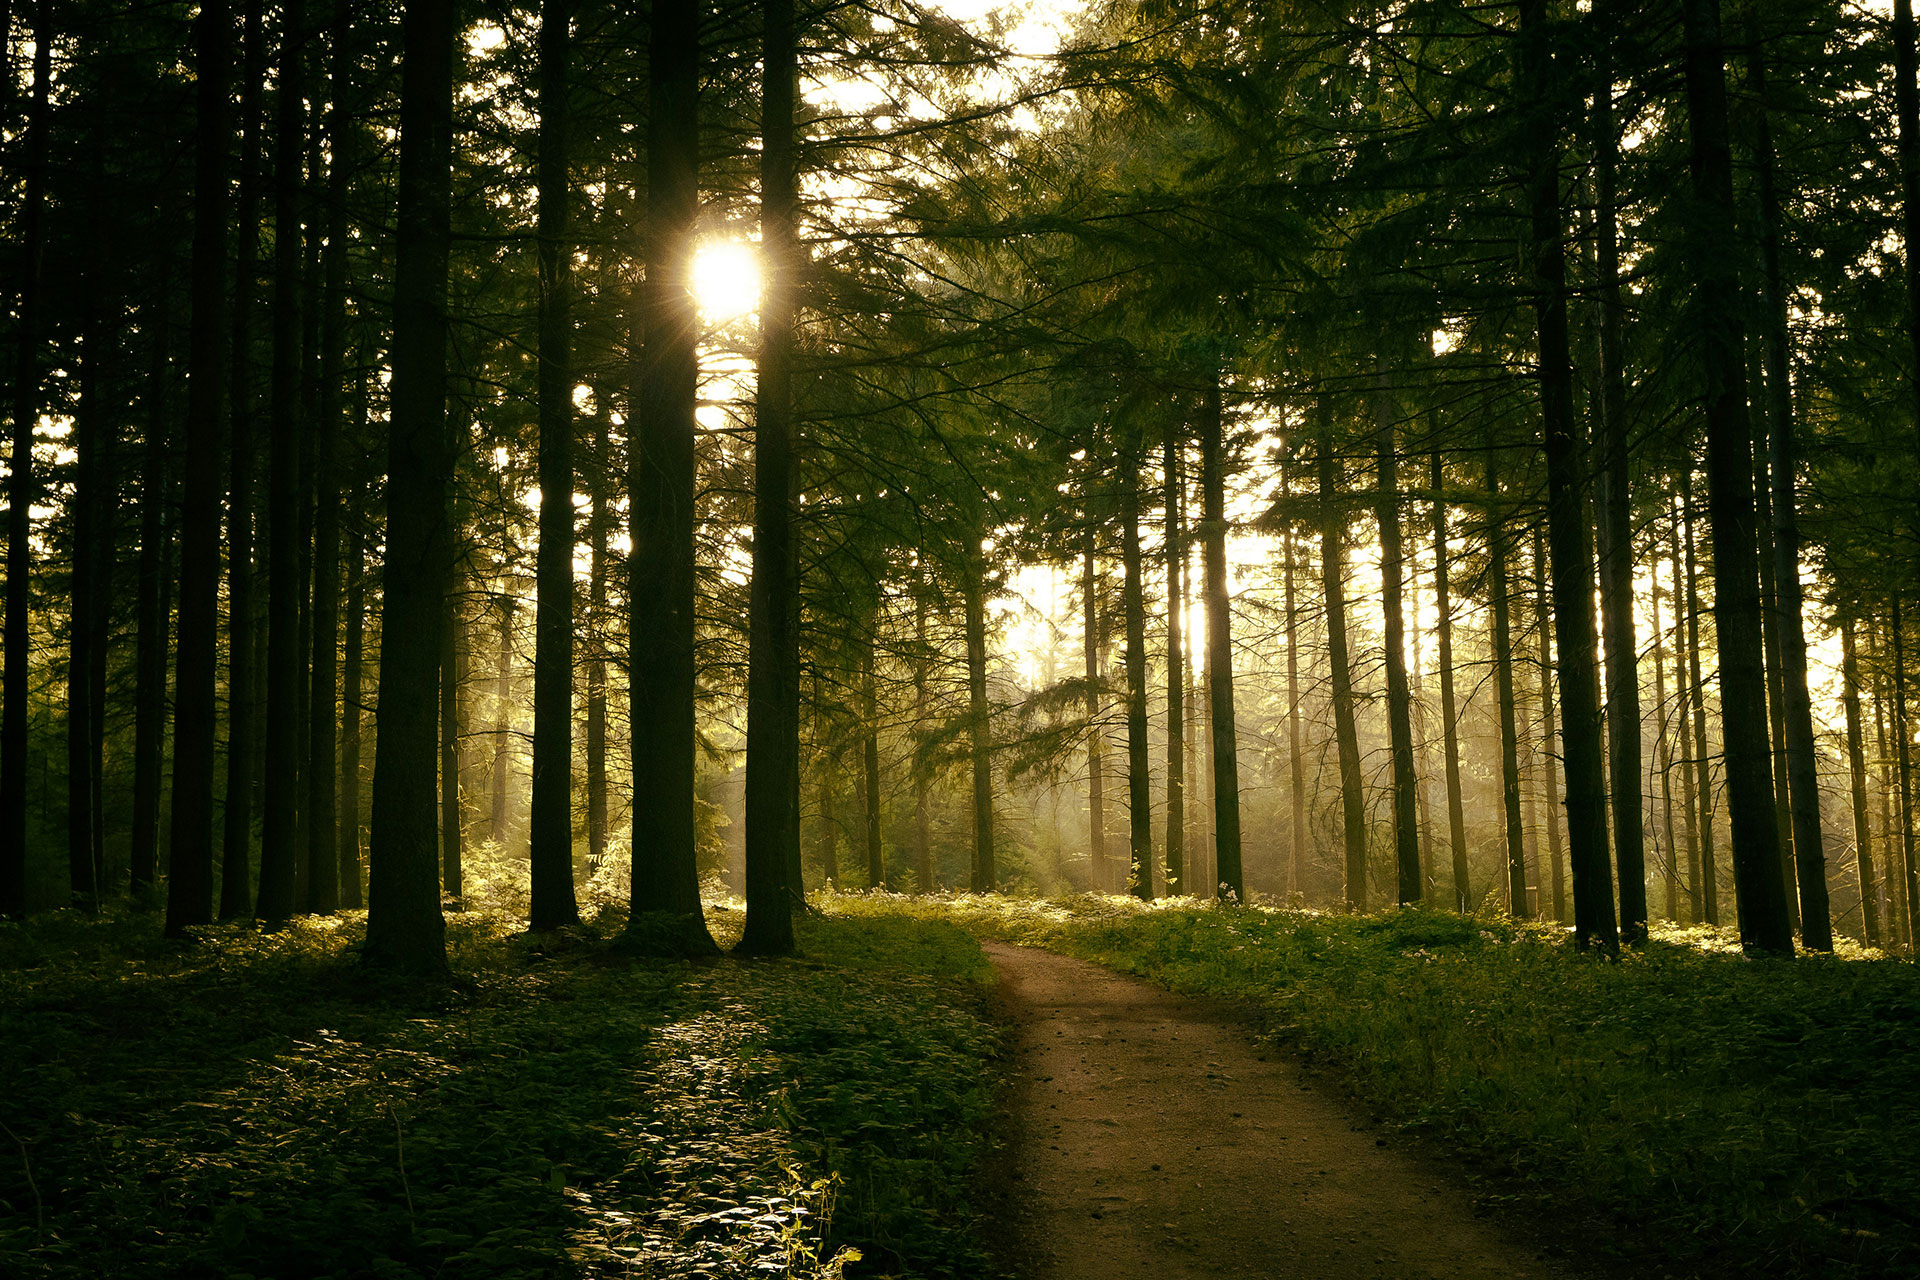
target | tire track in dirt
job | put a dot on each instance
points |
(1152, 1138)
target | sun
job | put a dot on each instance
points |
(726, 280)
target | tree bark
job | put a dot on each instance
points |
(1696, 889)
(1175, 554)
(190, 836)
(1907, 108)
(323, 717)
(279, 853)
(22, 486)
(597, 641)
(1770, 647)
(922, 836)
(1096, 782)
(1139, 790)
(1857, 775)
(405, 929)
(499, 789)
(662, 683)
(550, 822)
(1802, 774)
(1333, 533)
(1616, 526)
(1709, 875)
(1406, 828)
(1567, 539)
(1662, 750)
(236, 857)
(979, 716)
(1903, 738)
(91, 561)
(1450, 728)
(1500, 579)
(1764, 926)
(453, 663)
(1227, 875)
(1549, 782)
(1296, 757)
(1897, 933)
(150, 642)
(870, 763)
(352, 714)
(773, 660)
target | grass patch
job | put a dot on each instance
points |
(1709, 1112)
(260, 1105)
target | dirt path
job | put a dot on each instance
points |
(1156, 1140)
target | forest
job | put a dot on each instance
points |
(501, 496)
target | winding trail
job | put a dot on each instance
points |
(1154, 1139)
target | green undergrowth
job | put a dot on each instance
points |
(261, 1105)
(1684, 1106)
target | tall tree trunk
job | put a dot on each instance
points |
(773, 660)
(1499, 578)
(1896, 880)
(190, 837)
(499, 790)
(661, 463)
(1770, 646)
(1175, 555)
(236, 856)
(351, 712)
(1857, 774)
(405, 929)
(1227, 876)
(1662, 749)
(1139, 792)
(870, 763)
(1696, 888)
(323, 717)
(1406, 828)
(1556, 862)
(922, 836)
(550, 825)
(1449, 718)
(1096, 781)
(1616, 526)
(1296, 757)
(279, 854)
(150, 642)
(1907, 106)
(91, 424)
(1802, 775)
(1764, 926)
(829, 825)
(597, 640)
(209, 207)
(979, 716)
(1333, 533)
(1709, 874)
(1593, 908)
(453, 655)
(1902, 735)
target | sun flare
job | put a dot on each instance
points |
(726, 280)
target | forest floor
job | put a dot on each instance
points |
(1151, 1137)
(1682, 1112)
